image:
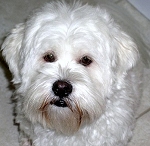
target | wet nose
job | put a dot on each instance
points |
(62, 88)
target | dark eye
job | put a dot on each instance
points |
(49, 57)
(85, 61)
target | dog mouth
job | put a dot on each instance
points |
(58, 111)
(63, 102)
(60, 103)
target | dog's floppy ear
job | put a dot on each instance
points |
(127, 52)
(11, 50)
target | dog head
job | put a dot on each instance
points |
(66, 59)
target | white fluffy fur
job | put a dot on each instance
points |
(105, 94)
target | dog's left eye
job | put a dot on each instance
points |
(49, 57)
(85, 61)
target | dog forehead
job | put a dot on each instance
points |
(68, 22)
(52, 31)
(62, 42)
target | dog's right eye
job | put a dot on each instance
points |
(49, 57)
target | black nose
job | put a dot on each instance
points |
(62, 88)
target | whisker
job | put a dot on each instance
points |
(68, 102)
(53, 100)
(45, 104)
(80, 112)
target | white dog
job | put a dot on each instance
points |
(78, 77)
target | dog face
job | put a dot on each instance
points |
(67, 60)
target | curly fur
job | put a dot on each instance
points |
(101, 108)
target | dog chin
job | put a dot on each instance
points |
(66, 120)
